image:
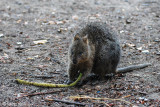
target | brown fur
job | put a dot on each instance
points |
(93, 49)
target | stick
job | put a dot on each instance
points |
(39, 93)
(92, 98)
(67, 102)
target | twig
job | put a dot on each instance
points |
(107, 105)
(39, 93)
(126, 96)
(92, 98)
(42, 76)
(140, 92)
(67, 102)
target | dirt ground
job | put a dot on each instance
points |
(24, 22)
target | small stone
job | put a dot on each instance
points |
(36, 56)
(157, 15)
(20, 94)
(145, 4)
(158, 77)
(51, 22)
(19, 43)
(158, 53)
(141, 98)
(145, 51)
(140, 48)
(53, 13)
(122, 31)
(58, 70)
(157, 40)
(60, 30)
(148, 28)
(40, 42)
(26, 23)
(60, 22)
(145, 99)
(128, 21)
(30, 58)
(130, 45)
(92, 18)
(18, 21)
(1, 35)
(75, 17)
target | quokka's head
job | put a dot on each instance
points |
(79, 49)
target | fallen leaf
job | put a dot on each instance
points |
(75, 17)
(60, 22)
(40, 42)
(130, 44)
(51, 22)
(29, 58)
(18, 21)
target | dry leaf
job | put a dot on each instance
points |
(130, 44)
(51, 22)
(40, 42)
(60, 22)
(75, 17)
(18, 21)
(140, 48)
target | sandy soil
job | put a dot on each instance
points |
(23, 22)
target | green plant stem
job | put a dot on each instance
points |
(49, 85)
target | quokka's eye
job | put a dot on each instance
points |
(80, 53)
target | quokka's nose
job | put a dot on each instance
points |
(74, 61)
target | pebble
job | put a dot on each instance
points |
(145, 51)
(128, 21)
(157, 40)
(1, 35)
(158, 53)
(122, 31)
(19, 43)
(75, 17)
(140, 48)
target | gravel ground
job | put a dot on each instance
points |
(23, 23)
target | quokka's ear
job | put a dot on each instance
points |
(76, 37)
(85, 39)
